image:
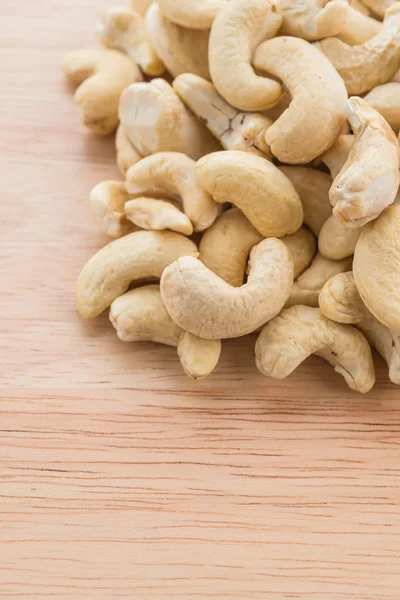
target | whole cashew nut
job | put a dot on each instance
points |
(337, 241)
(256, 186)
(335, 157)
(358, 28)
(102, 75)
(204, 304)
(236, 32)
(140, 315)
(236, 130)
(340, 301)
(127, 155)
(312, 19)
(141, 6)
(174, 175)
(107, 200)
(370, 178)
(299, 332)
(156, 215)
(317, 112)
(197, 14)
(386, 100)
(139, 255)
(156, 120)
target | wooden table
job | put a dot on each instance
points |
(119, 476)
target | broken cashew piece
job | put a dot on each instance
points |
(204, 304)
(102, 76)
(236, 32)
(370, 178)
(376, 267)
(385, 99)
(127, 155)
(335, 157)
(236, 130)
(340, 301)
(107, 200)
(141, 6)
(301, 331)
(156, 215)
(312, 19)
(125, 30)
(174, 175)
(139, 255)
(196, 14)
(307, 287)
(156, 120)
(337, 241)
(182, 50)
(374, 62)
(256, 186)
(317, 112)
(140, 316)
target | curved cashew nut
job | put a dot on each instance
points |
(385, 99)
(302, 246)
(317, 112)
(197, 14)
(307, 287)
(127, 155)
(379, 7)
(374, 62)
(182, 50)
(141, 6)
(156, 215)
(235, 34)
(204, 304)
(254, 185)
(336, 241)
(156, 120)
(340, 301)
(335, 157)
(313, 188)
(140, 316)
(312, 19)
(236, 130)
(376, 267)
(125, 30)
(358, 28)
(107, 200)
(102, 76)
(300, 331)
(139, 255)
(174, 174)
(369, 180)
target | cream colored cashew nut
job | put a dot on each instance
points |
(204, 304)
(301, 331)
(386, 100)
(376, 267)
(236, 32)
(140, 316)
(312, 19)
(140, 6)
(371, 64)
(335, 157)
(317, 112)
(107, 200)
(182, 50)
(102, 75)
(337, 241)
(302, 246)
(340, 301)
(236, 130)
(174, 175)
(256, 186)
(137, 256)
(359, 6)
(156, 215)
(370, 178)
(156, 120)
(127, 155)
(358, 28)
(196, 14)
(379, 7)
(125, 30)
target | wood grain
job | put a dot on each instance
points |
(119, 476)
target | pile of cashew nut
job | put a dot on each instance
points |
(259, 152)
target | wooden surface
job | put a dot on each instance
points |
(119, 476)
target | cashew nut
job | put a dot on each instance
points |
(369, 180)
(127, 155)
(376, 267)
(336, 240)
(140, 316)
(312, 19)
(256, 186)
(335, 157)
(125, 30)
(235, 34)
(302, 246)
(102, 75)
(386, 100)
(204, 304)
(182, 50)
(358, 28)
(379, 7)
(301, 331)
(139, 255)
(359, 6)
(140, 6)
(317, 112)
(107, 200)
(236, 130)
(340, 301)
(374, 62)
(198, 14)
(307, 287)
(174, 174)
(154, 214)
(156, 120)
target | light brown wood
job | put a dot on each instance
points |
(119, 476)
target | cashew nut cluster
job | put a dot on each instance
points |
(254, 195)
